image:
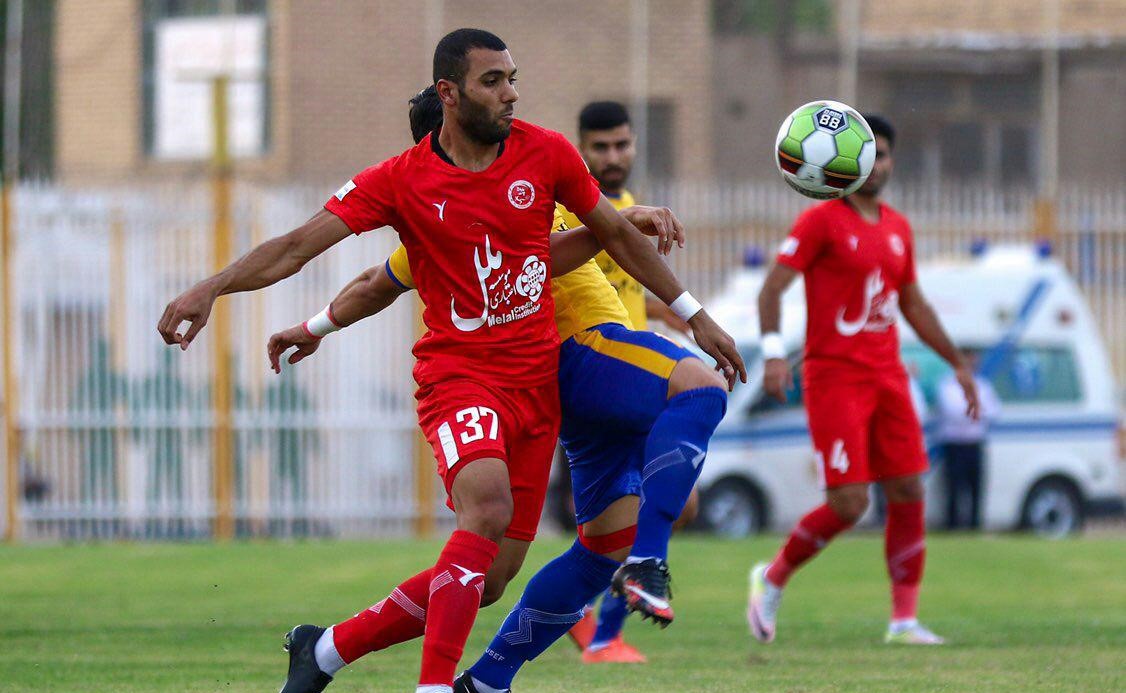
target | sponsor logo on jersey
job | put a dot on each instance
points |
(878, 312)
(521, 194)
(441, 209)
(344, 190)
(501, 293)
(789, 246)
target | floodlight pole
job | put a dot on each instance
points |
(221, 380)
(848, 77)
(12, 69)
(1046, 227)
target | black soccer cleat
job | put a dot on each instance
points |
(464, 684)
(645, 587)
(304, 674)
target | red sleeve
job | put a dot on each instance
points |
(575, 188)
(368, 200)
(805, 241)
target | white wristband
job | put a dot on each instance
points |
(685, 306)
(773, 347)
(322, 323)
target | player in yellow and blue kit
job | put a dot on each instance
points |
(607, 144)
(638, 412)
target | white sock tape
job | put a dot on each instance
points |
(773, 347)
(322, 323)
(685, 306)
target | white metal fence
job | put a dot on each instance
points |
(115, 426)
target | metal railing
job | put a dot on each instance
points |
(114, 427)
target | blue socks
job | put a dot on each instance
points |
(674, 454)
(611, 617)
(552, 602)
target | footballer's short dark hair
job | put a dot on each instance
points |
(602, 115)
(451, 54)
(425, 113)
(881, 126)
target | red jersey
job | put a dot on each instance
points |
(853, 271)
(479, 251)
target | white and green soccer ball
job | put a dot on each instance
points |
(825, 150)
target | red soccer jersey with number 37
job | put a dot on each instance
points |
(478, 244)
(853, 271)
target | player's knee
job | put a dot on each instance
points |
(488, 517)
(849, 504)
(693, 374)
(905, 490)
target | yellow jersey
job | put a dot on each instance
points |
(583, 297)
(630, 291)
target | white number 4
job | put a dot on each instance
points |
(838, 458)
(474, 431)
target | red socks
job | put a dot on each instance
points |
(905, 549)
(440, 602)
(456, 587)
(812, 533)
(398, 618)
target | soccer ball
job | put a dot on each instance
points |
(825, 150)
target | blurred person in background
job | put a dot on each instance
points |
(963, 447)
(857, 258)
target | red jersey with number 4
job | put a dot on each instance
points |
(478, 244)
(853, 271)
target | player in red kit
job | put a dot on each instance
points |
(857, 259)
(474, 208)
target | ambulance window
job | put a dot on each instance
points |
(927, 368)
(1038, 374)
(766, 404)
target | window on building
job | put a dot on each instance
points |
(187, 44)
(660, 149)
(772, 16)
(37, 91)
(964, 129)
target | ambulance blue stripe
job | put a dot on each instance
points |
(1001, 428)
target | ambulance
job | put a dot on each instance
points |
(1053, 455)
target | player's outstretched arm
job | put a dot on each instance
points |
(368, 294)
(623, 242)
(570, 249)
(266, 264)
(776, 376)
(922, 318)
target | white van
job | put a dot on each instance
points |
(1052, 457)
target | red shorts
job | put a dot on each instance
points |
(465, 420)
(864, 430)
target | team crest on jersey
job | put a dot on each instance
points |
(896, 244)
(500, 293)
(521, 194)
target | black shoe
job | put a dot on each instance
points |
(304, 674)
(464, 684)
(645, 586)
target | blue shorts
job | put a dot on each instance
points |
(613, 384)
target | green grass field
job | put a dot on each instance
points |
(1022, 615)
